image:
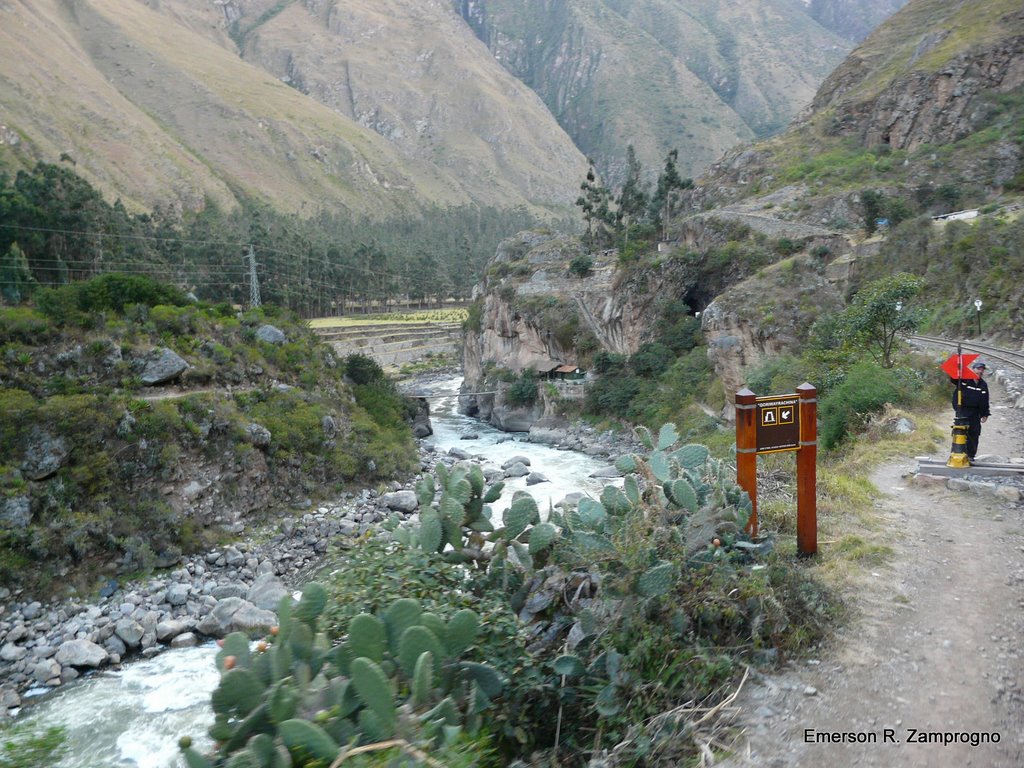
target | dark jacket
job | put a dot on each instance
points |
(974, 396)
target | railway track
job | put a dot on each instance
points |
(1012, 358)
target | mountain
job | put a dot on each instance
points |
(852, 19)
(697, 75)
(924, 118)
(371, 108)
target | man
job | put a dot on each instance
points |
(970, 402)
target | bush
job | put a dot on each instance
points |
(363, 370)
(651, 360)
(523, 391)
(581, 265)
(112, 292)
(865, 390)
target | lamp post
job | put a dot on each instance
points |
(977, 306)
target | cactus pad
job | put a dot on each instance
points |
(373, 689)
(657, 580)
(541, 537)
(366, 636)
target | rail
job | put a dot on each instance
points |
(1008, 356)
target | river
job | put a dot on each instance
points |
(133, 717)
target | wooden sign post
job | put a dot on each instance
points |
(771, 425)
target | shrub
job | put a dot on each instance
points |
(581, 265)
(865, 390)
(651, 360)
(523, 391)
(115, 292)
(22, 324)
(363, 369)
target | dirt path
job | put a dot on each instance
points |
(935, 646)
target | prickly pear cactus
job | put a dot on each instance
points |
(292, 700)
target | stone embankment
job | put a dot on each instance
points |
(232, 588)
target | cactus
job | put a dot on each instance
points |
(541, 537)
(462, 631)
(518, 516)
(415, 640)
(236, 645)
(436, 625)
(681, 493)
(485, 676)
(367, 637)
(569, 665)
(238, 693)
(193, 759)
(667, 436)
(691, 456)
(425, 491)
(422, 679)
(311, 605)
(657, 580)
(400, 615)
(373, 689)
(590, 514)
(430, 530)
(307, 742)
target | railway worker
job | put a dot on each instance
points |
(970, 402)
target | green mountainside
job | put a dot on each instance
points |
(697, 76)
(155, 105)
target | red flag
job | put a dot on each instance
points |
(959, 367)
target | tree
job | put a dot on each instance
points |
(16, 281)
(666, 194)
(632, 201)
(880, 314)
(594, 202)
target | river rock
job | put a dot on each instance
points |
(168, 630)
(130, 631)
(9, 698)
(271, 334)
(81, 653)
(234, 589)
(525, 460)
(606, 472)
(46, 670)
(233, 557)
(185, 640)
(162, 365)
(177, 594)
(458, 453)
(266, 592)
(236, 615)
(12, 652)
(536, 478)
(400, 501)
(517, 470)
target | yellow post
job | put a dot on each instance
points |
(958, 452)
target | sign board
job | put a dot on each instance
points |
(959, 367)
(778, 423)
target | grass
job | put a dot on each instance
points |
(852, 535)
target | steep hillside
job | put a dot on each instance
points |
(852, 19)
(698, 76)
(925, 118)
(138, 425)
(153, 104)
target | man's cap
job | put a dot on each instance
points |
(978, 364)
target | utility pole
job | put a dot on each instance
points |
(254, 283)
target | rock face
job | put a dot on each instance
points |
(925, 106)
(742, 329)
(44, 455)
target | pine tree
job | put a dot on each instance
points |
(632, 202)
(666, 195)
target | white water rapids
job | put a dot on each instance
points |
(133, 717)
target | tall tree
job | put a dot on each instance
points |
(632, 200)
(667, 193)
(16, 281)
(595, 205)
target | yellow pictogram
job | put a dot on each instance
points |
(770, 417)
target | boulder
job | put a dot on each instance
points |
(15, 512)
(517, 470)
(236, 615)
(12, 652)
(168, 630)
(401, 501)
(258, 435)
(185, 640)
(266, 592)
(80, 653)
(516, 460)
(271, 334)
(535, 478)
(177, 594)
(44, 455)
(130, 631)
(162, 365)
(234, 589)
